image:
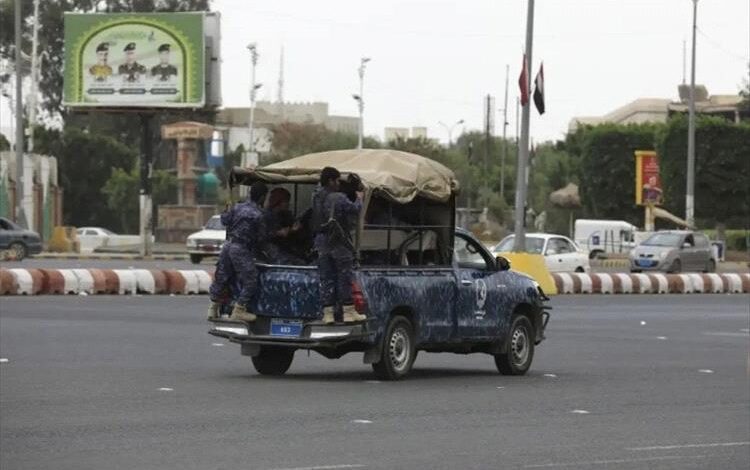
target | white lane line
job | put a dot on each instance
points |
(361, 421)
(706, 371)
(500, 388)
(553, 376)
(691, 446)
(217, 344)
(3, 359)
(166, 389)
(727, 333)
(643, 323)
(372, 381)
(661, 337)
(323, 467)
(580, 412)
(613, 461)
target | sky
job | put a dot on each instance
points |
(435, 60)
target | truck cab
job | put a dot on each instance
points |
(422, 284)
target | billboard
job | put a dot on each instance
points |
(648, 190)
(134, 60)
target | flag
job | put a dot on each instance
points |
(539, 90)
(523, 82)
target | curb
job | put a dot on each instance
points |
(95, 256)
(652, 283)
(103, 281)
(610, 263)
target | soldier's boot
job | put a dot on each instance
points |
(328, 315)
(351, 315)
(213, 310)
(240, 313)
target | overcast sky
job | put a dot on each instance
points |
(434, 60)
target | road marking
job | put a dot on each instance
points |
(500, 388)
(580, 412)
(643, 323)
(723, 333)
(217, 344)
(614, 461)
(3, 359)
(372, 381)
(706, 371)
(661, 337)
(551, 376)
(361, 421)
(323, 467)
(166, 389)
(745, 330)
(692, 446)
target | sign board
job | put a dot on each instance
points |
(648, 190)
(135, 60)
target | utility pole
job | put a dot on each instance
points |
(20, 216)
(519, 243)
(34, 76)
(145, 202)
(505, 142)
(488, 114)
(251, 155)
(449, 130)
(690, 193)
(360, 98)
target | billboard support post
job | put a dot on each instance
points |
(145, 203)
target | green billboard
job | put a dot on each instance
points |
(152, 60)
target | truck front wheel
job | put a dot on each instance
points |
(273, 360)
(398, 350)
(520, 348)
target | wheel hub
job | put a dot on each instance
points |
(399, 349)
(519, 345)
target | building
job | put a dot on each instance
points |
(394, 133)
(645, 110)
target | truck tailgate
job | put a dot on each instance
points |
(288, 291)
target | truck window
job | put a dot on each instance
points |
(469, 255)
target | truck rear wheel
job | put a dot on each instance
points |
(398, 350)
(520, 348)
(273, 360)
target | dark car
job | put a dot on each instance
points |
(19, 241)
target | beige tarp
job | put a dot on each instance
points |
(401, 175)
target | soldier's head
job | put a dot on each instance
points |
(258, 192)
(278, 199)
(102, 53)
(164, 54)
(329, 178)
(129, 53)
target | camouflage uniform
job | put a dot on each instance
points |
(334, 246)
(237, 259)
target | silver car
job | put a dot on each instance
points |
(673, 251)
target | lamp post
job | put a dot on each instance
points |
(690, 189)
(360, 99)
(254, 87)
(449, 130)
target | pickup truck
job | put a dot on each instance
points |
(423, 286)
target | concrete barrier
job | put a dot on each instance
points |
(8, 283)
(23, 281)
(71, 284)
(52, 282)
(144, 281)
(651, 283)
(175, 282)
(192, 284)
(85, 281)
(126, 281)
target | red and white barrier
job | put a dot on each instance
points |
(651, 283)
(126, 281)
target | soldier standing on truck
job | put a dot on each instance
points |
(334, 218)
(238, 255)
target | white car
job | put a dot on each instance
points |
(92, 238)
(561, 254)
(207, 242)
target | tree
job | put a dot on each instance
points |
(722, 169)
(122, 189)
(4, 143)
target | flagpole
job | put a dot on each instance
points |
(523, 154)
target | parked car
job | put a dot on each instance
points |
(19, 241)
(673, 251)
(422, 284)
(600, 237)
(561, 254)
(92, 238)
(208, 241)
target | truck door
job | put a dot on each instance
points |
(476, 316)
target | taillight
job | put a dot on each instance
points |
(360, 304)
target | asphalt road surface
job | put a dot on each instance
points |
(624, 382)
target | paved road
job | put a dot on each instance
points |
(120, 383)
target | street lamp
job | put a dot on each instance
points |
(690, 190)
(449, 130)
(254, 87)
(359, 98)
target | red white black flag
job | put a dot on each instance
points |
(539, 90)
(523, 82)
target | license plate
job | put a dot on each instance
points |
(645, 263)
(286, 328)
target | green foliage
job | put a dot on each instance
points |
(607, 171)
(122, 194)
(293, 140)
(722, 169)
(4, 143)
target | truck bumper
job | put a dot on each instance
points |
(314, 334)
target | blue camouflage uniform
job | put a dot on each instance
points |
(244, 223)
(335, 248)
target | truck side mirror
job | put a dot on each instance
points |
(502, 263)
